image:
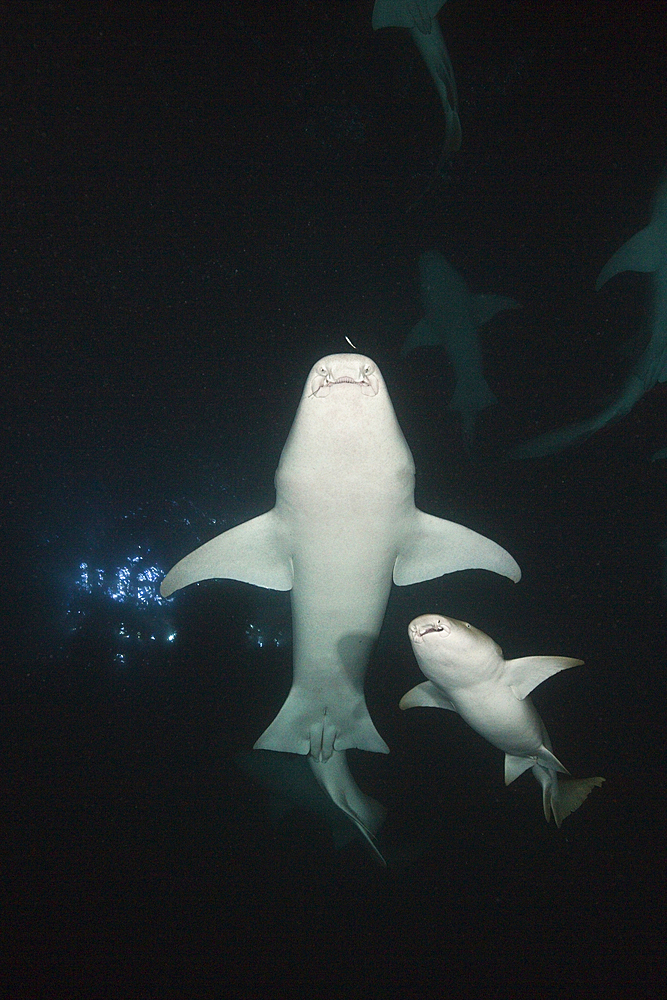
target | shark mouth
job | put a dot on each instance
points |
(325, 380)
(419, 628)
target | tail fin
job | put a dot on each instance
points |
(562, 796)
(366, 813)
(305, 725)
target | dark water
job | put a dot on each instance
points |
(197, 204)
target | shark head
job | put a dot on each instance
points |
(344, 369)
(345, 428)
(446, 648)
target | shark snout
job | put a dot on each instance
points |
(425, 625)
(341, 369)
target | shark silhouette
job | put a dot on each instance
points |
(344, 524)
(452, 319)
(647, 252)
(419, 17)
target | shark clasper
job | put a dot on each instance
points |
(452, 319)
(467, 674)
(344, 524)
(646, 251)
(419, 16)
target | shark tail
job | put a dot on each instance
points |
(305, 726)
(366, 813)
(564, 795)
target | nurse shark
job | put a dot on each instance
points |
(419, 17)
(452, 318)
(343, 526)
(646, 251)
(468, 675)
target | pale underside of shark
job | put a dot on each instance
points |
(420, 18)
(646, 251)
(344, 524)
(452, 319)
(468, 675)
(324, 788)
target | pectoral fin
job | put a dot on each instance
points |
(425, 695)
(485, 307)
(643, 252)
(525, 673)
(516, 765)
(436, 546)
(253, 552)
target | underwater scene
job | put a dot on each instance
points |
(334, 441)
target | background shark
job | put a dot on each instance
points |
(419, 16)
(647, 252)
(468, 674)
(452, 318)
(343, 525)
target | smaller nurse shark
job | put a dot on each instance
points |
(452, 319)
(468, 674)
(646, 251)
(419, 16)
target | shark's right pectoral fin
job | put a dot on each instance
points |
(643, 252)
(435, 547)
(425, 695)
(253, 552)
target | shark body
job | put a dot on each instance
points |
(646, 251)
(468, 675)
(452, 318)
(419, 17)
(344, 524)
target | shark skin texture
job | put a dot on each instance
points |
(420, 18)
(468, 674)
(452, 318)
(646, 251)
(343, 526)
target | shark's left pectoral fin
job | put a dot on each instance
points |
(485, 307)
(435, 547)
(425, 695)
(421, 335)
(525, 673)
(253, 552)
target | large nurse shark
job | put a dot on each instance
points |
(467, 674)
(344, 524)
(646, 251)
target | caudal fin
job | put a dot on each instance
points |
(565, 795)
(305, 725)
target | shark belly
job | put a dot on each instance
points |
(343, 559)
(509, 724)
